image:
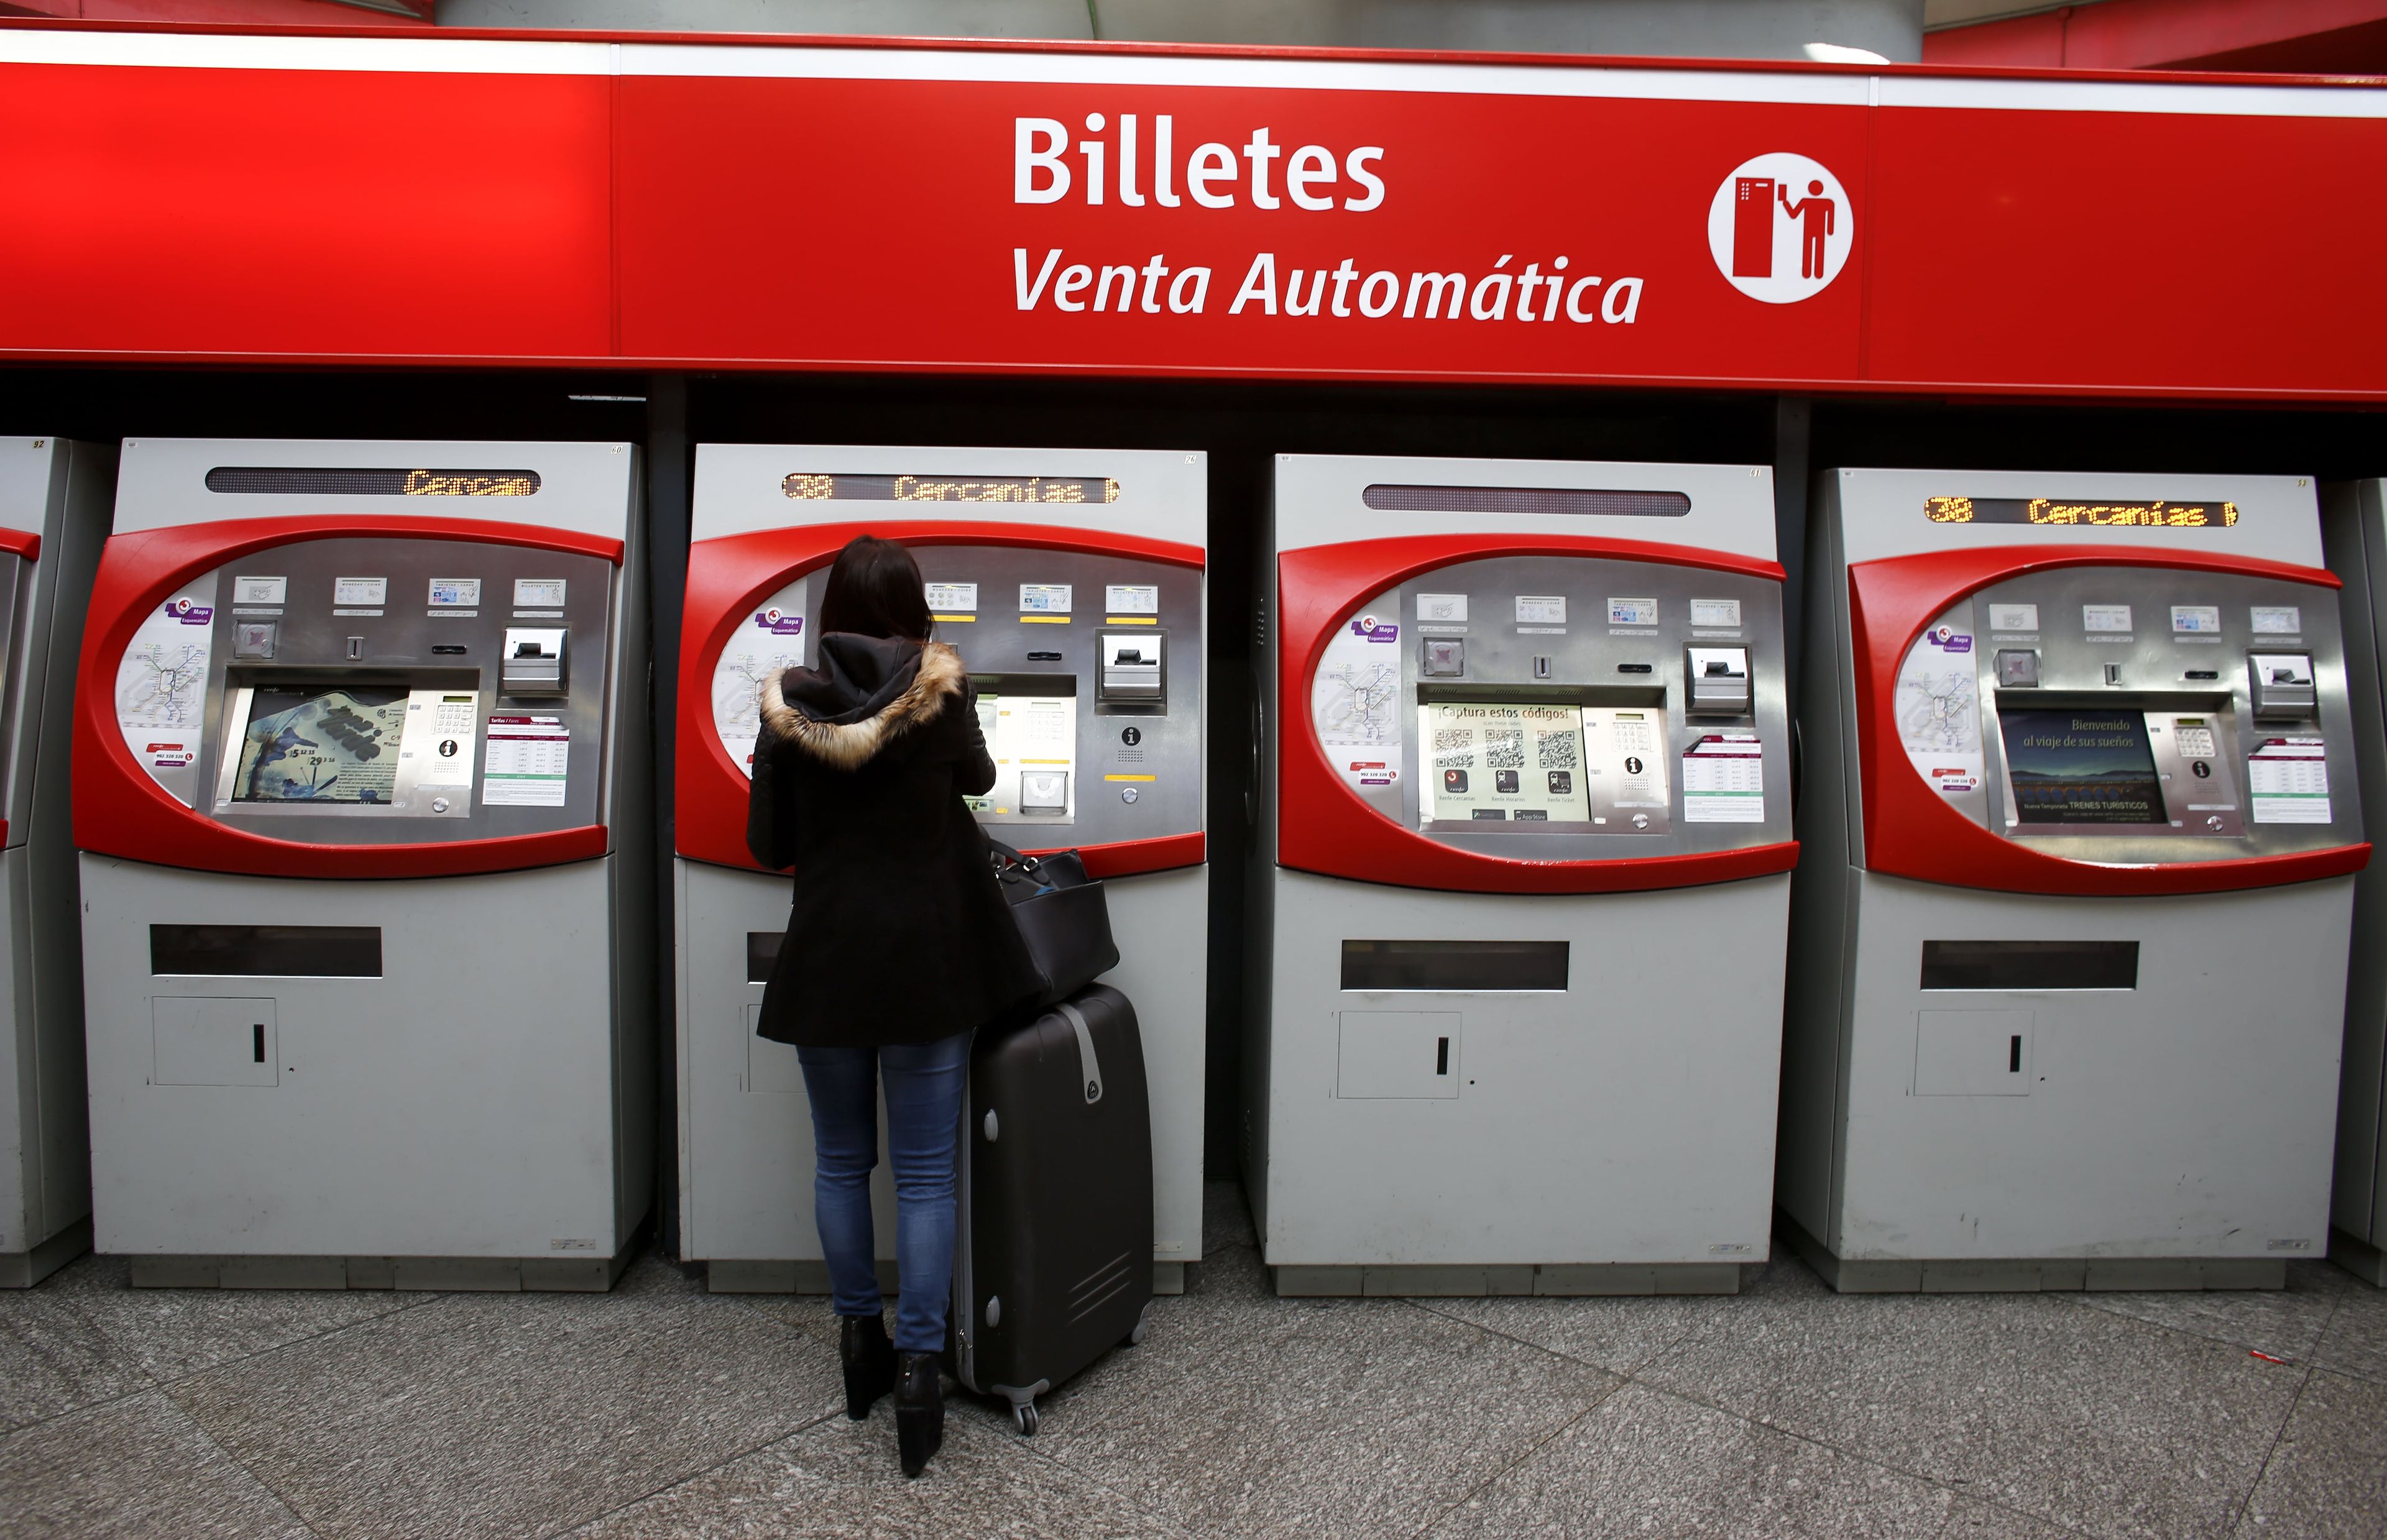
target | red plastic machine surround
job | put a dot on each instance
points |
(728, 575)
(119, 811)
(1910, 832)
(1321, 824)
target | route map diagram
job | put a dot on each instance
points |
(738, 688)
(1939, 710)
(160, 683)
(1353, 703)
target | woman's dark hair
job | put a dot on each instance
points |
(875, 590)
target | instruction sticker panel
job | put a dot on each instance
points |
(529, 757)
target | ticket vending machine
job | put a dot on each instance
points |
(2080, 827)
(53, 517)
(2354, 534)
(1071, 582)
(361, 790)
(1516, 938)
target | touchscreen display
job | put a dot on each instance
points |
(1504, 764)
(320, 743)
(2081, 767)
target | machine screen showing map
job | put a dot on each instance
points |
(320, 743)
(2081, 767)
(1492, 763)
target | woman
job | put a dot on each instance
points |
(898, 944)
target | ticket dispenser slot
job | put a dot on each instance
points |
(2283, 689)
(1718, 682)
(533, 666)
(1133, 670)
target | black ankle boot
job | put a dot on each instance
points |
(869, 1362)
(919, 1411)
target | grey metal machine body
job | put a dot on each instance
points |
(1996, 1090)
(56, 491)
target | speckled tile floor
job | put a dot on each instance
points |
(660, 1410)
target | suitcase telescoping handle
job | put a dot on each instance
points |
(1090, 1069)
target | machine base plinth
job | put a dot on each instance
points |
(1523, 1278)
(2360, 1257)
(2031, 1274)
(483, 1274)
(796, 1276)
(22, 1269)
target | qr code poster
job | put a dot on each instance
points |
(1505, 763)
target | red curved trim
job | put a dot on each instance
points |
(1910, 833)
(20, 542)
(728, 575)
(119, 811)
(1130, 857)
(1321, 824)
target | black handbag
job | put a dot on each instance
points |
(1061, 915)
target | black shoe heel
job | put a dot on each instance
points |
(919, 1411)
(869, 1360)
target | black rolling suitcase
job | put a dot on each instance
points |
(1053, 1254)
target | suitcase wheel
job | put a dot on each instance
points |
(1023, 1416)
(1142, 1326)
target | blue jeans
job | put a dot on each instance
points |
(924, 1109)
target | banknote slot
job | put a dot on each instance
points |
(266, 951)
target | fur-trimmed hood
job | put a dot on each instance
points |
(867, 693)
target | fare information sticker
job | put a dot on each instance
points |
(2287, 779)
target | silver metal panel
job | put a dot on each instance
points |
(403, 642)
(1628, 1118)
(462, 1104)
(1322, 498)
(2189, 1117)
(1585, 662)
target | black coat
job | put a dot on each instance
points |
(900, 932)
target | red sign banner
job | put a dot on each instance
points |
(660, 203)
